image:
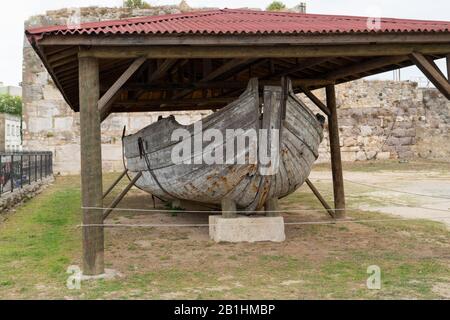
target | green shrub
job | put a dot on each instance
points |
(10, 104)
(136, 4)
(276, 6)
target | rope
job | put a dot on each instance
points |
(334, 222)
(144, 155)
(392, 190)
(249, 212)
(398, 191)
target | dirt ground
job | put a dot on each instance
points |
(186, 247)
(317, 261)
(408, 194)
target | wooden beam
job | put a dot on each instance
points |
(104, 104)
(217, 73)
(335, 149)
(91, 167)
(160, 72)
(448, 66)
(225, 68)
(298, 68)
(316, 101)
(257, 52)
(364, 66)
(158, 102)
(162, 69)
(168, 108)
(219, 84)
(320, 198)
(246, 40)
(119, 198)
(432, 72)
(115, 183)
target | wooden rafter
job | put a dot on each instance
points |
(361, 67)
(218, 84)
(159, 102)
(302, 65)
(169, 108)
(432, 72)
(226, 67)
(159, 73)
(106, 101)
(162, 69)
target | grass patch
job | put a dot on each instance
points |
(41, 240)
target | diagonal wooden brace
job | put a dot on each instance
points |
(432, 72)
(119, 198)
(106, 101)
(325, 204)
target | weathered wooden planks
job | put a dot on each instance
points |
(300, 136)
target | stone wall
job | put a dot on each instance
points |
(390, 120)
(50, 124)
(378, 119)
(10, 200)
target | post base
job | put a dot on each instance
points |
(108, 275)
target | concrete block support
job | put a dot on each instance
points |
(247, 229)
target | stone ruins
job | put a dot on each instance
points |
(379, 119)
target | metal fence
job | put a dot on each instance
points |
(19, 169)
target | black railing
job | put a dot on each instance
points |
(19, 169)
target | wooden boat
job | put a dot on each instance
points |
(300, 133)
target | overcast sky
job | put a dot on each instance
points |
(14, 12)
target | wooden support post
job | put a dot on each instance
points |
(115, 183)
(320, 198)
(448, 67)
(91, 167)
(121, 196)
(335, 148)
(228, 208)
(272, 208)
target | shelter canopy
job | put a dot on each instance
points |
(203, 60)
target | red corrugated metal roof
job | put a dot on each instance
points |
(234, 21)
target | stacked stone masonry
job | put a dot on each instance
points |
(378, 119)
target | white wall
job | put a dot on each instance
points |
(13, 137)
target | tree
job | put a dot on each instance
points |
(136, 4)
(10, 104)
(276, 6)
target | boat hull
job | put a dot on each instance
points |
(300, 133)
